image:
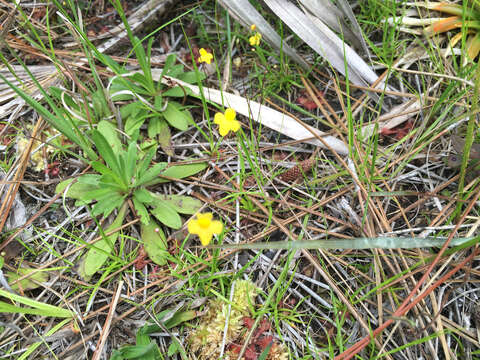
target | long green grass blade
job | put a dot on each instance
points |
(35, 307)
(358, 243)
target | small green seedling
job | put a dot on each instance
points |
(145, 348)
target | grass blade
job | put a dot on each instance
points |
(358, 243)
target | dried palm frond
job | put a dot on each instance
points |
(137, 20)
(46, 76)
(265, 115)
(314, 30)
(246, 14)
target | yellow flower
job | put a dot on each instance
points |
(205, 56)
(255, 39)
(226, 122)
(253, 27)
(205, 227)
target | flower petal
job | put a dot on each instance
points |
(223, 128)
(216, 227)
(219, 118)
(235, 125)
(205, 237)
(207, 215)
(194, 227)
(230, 114)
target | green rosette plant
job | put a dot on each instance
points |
(126, 174)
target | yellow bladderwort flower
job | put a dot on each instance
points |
(253, 27)
(255, 39)
(226, 122)
(205, 227)
(205, 56)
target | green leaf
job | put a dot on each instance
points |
(141, 211)
(57, 92)
(100, 106)
(76, 190)
(136, 352)
(142, 337)
(62, 185)
(110, 182)
(103, 169)
(155, 126)
(154, 242)
(142, 340)
(144, 62)
(131, 161)
(158, 126)
(109, 132)
(107, 203)
(117, 355)
(191, 77)
(151, 173)
(134, 109)
(133, 123)
(106, 151)
(91, 179)
(28, 283)
(100, 251)
(109, 62)
(121, 84)
(148, 144)
(175, 320)
(122, 161)
(180, 317)
(97, 194)
(167, 215)
(178, 91)
(181, 203)
(158, 103)
(67, 100)
(143, 195)
(175, 71)
(141, 86)
(176, 117)
(179, 172)
(139, 52)
(108, 173)
(145, 163)
(173, 348)
(35, 307)
(169, 62)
